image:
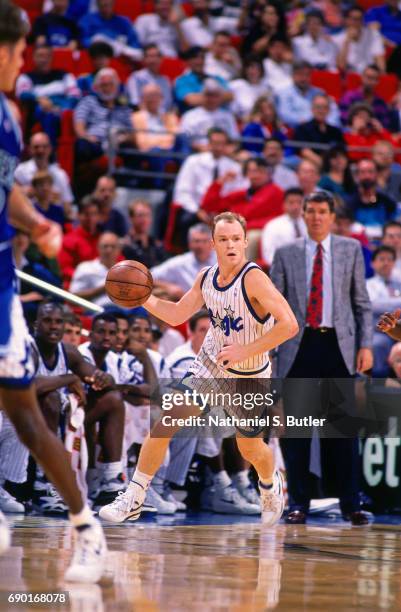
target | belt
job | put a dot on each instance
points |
(319, 330)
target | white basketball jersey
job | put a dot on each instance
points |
(234, 321)
(60, 367)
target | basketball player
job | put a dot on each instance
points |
(17, 394)
(242, 304)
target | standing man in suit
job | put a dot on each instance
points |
(322, 277)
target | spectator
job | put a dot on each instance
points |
(80, 244)
(385, 295)
(260, 203)
(277, 66)
(42, 200)
(55, 28)
(188, 88)
(392, 237)
(369, 206)
(41, 151)
(150, 74)
(308, 176)
(248, 88)
(284, 228)
(139, 244)
(89, 276)
(295, 102)
(315, 46)
(271, 23)
(283, 177)
(196, 123)
(389, 173)
(222, 60)
(387, 18)
(199, 171)
(263, 123)
(317, 130)
(100, 54)
(346, 226)
(335, 339)
(198, 30)
(332, 12)
(46, 92)
(366, 93)
(176, 275)
(154, 129)
(337, 176)
(100, 114)
(364, 131)
(162, 28)
(358, 46)
(110, 219)
(108, 27)
(30, 296)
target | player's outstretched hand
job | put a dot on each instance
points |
(388, 320)
(48, 237)
(233, 353)
(100, 380)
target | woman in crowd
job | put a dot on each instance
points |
(264, 123)
(337, 176)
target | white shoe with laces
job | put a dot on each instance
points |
(127, 505)
(155, 499)
(272, 500)
(229, 501)
(8, 503)
(249, 493)
(89, 558)
(5, 534)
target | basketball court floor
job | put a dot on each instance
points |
(204, 562)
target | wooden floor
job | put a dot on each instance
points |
(197, 568)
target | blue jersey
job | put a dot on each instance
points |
(10, 150)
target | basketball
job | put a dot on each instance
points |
(129, 283)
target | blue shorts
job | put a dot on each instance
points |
(16, 361)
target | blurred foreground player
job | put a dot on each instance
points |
(242, 304)
(17, 393)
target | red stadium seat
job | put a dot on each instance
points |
(63, 59)
(172, 67)
(65, 149)
(367, 4)
(386, 89)
(170, 238)
(329, 81)
(133, 8)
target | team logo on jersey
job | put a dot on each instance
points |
(228, 323)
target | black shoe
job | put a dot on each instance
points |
(296, 517)
(357, 518)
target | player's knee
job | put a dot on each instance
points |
(250, 448)
(112, 403)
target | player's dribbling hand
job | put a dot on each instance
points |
(99, 380)
(388, 320)
(233, 353)
(48, 237)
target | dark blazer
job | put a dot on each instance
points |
(352, 311)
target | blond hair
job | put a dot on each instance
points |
(230, 217)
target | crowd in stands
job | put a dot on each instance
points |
(141, 125)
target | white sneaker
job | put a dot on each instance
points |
(162, 506)
(89, 557)
(127, 505)
(272, 500)
(229, 501)
(249, 493)
(169, 497)
(5, 534)
(48, 501)
(8, 503)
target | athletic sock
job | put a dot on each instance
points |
(85, 517)
(266, 484)
(241, 479)
(111, 470)
(221, 480)
(140, 478)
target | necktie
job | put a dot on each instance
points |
(314, 311)
(297, 229)
(216, 171)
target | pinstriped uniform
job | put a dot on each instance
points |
(233, 321)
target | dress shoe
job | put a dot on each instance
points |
(296, 517)
(357, 518)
